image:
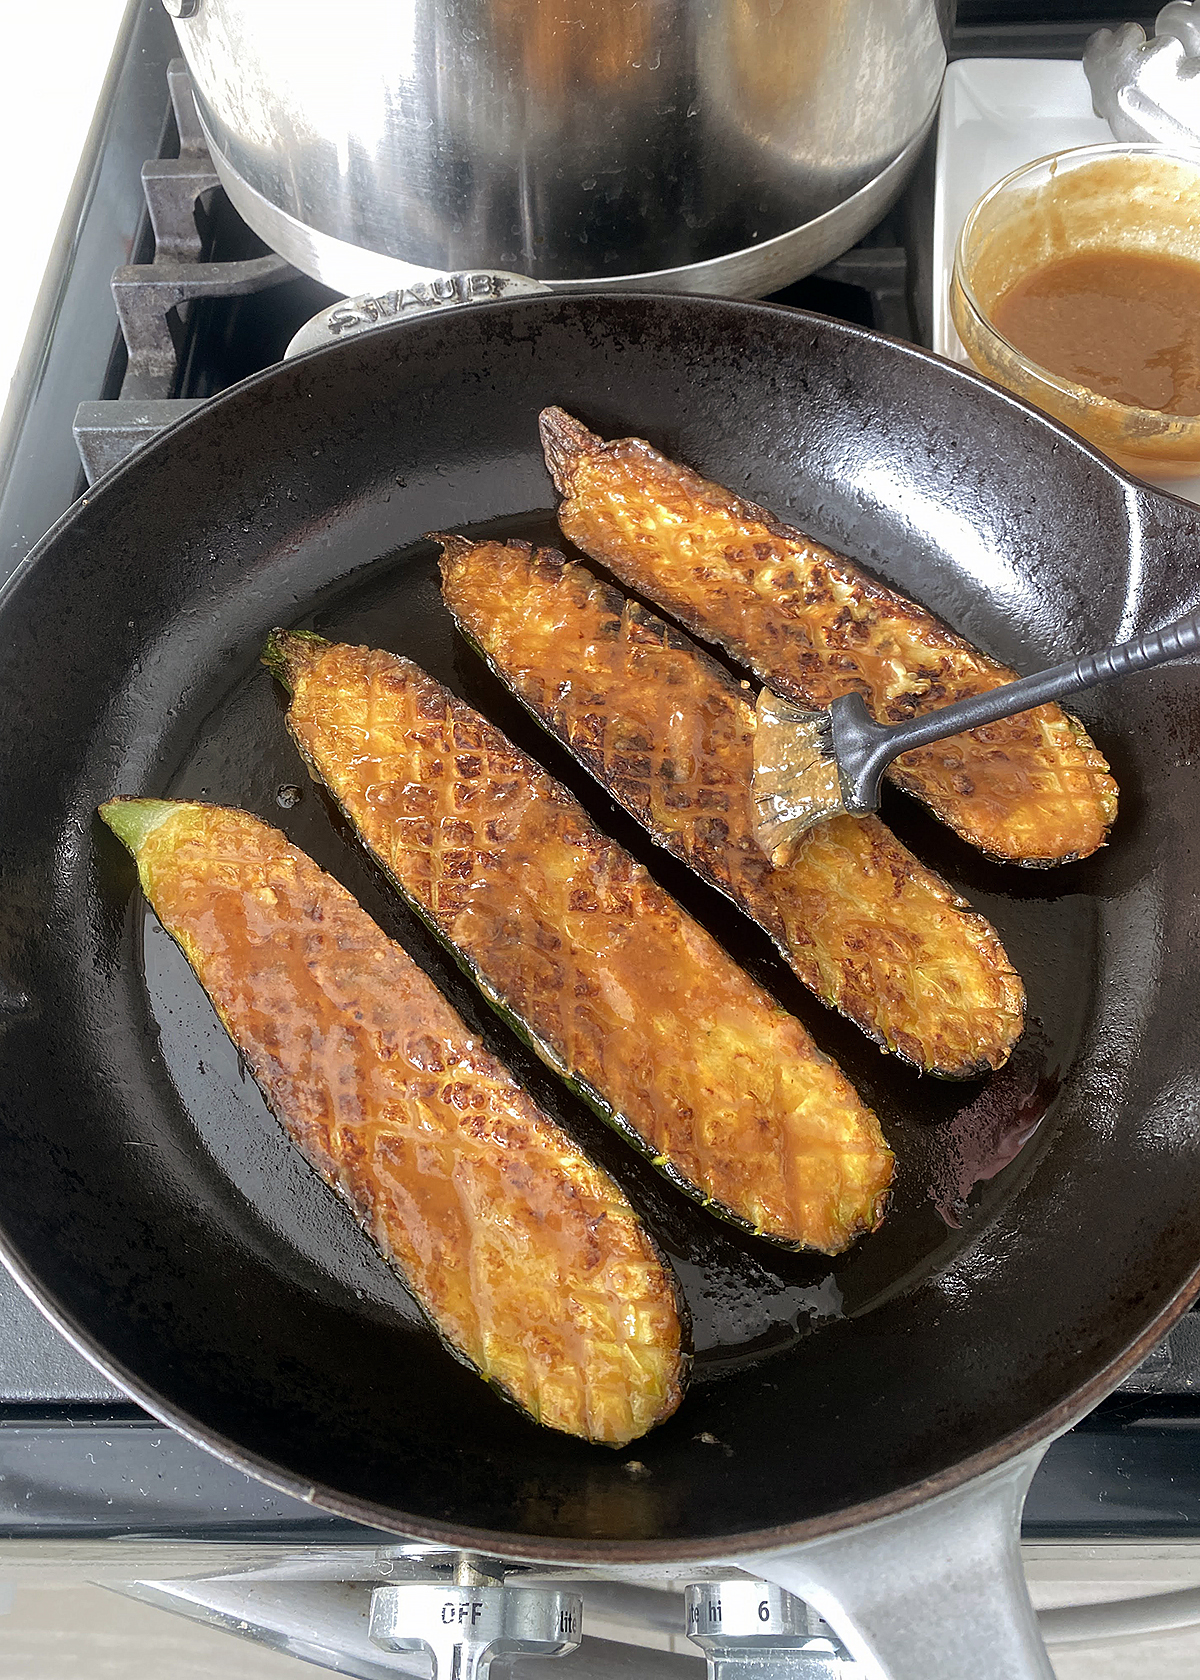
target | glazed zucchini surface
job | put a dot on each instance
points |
(526, 1258)
(671, 735)
(1032, 789)
(614, 985)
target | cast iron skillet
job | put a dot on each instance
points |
(154, 1209)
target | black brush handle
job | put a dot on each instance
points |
(864, 749)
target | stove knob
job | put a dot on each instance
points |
(747, 1628)
(465, 1627)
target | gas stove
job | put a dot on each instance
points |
(164, 298)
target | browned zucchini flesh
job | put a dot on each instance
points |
(1031, 789)
(527, 1259)
(671, 735)
(613, 984)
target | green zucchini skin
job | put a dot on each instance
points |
(571, 941)
(526, 1259)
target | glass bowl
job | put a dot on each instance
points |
(1115, 197)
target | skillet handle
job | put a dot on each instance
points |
(427, 293)
(933, 1593)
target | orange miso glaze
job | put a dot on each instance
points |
(614, 983)
(1126, 324)
(809, 624)
(671, 734)
(526, 1257)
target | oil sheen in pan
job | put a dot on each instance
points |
(748, 1300)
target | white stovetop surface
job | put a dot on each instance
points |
(53, 59)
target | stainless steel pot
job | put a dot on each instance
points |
(695, 145)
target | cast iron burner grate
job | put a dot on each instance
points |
(180, 349)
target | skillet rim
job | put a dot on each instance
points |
(1042, 1429)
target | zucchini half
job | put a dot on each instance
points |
(527, 1259)
(1031, 789)
(670, 734)
(610, 981)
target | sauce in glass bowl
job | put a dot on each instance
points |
(1077, 285)
(1124, 323)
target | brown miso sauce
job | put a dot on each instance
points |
(1122, 323)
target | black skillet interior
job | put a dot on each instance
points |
(156, 1207)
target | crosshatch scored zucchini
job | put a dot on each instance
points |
(1031, 789)
(615, 986)
(671, 735)
(526, 1258)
